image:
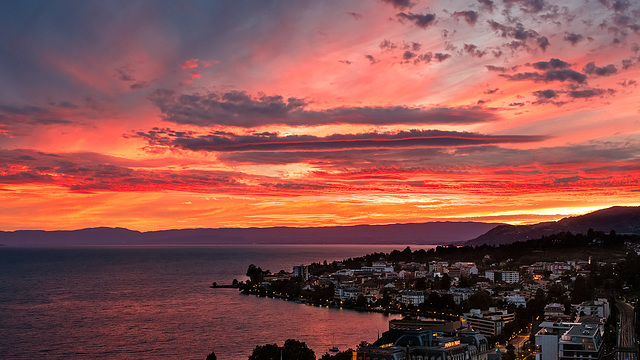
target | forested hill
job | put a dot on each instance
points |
(621, 219)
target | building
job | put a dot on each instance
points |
(435, 325)
(583, 341)
(346, 293)
(488, 323)
(510, 277)
(414, 297)
(467, 268)
(301, 271)
(425, 345)
(516, 299)
(555, 311)
(460, 294)
(378, 268)
(599, 307)
(568, 341)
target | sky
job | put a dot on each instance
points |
(157, 115)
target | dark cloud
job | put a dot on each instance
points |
(527, 6)
(589, 93)
(20, 119)
(440, 57)
(630, 82)
(64, 104)
(549, 76)
(543, 42)
(454, 159)
(592, 69)
(355, 15)
(533, 6)
(371, 59)
(93, 171)
(546, 94)
(573, 38)
(400, 4)
(139, 85)
(239, 109)
(515, 45)
(518, 32)
(414, 46)
(124, 73)
(487, 4)
(618, 5)
(388, 45)
(497, 68)
(347, 62)
(472, 50)
(491, 91)
(216, 142)
(552, 64)
(421, 21)
(567, 180)
(520, 104)
(471, 17)
(408, 55)
(627, 22)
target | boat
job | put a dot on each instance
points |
(334, 349)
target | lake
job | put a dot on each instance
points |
(155, 303)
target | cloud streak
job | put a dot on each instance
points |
(240, 109)
(229, 142)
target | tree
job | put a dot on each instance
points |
(255, 274)
(445, 282)
(212, 356)
(266, 352)
(581, 291)
(292, 350)
(480, 300)
(342, 355)
(510, 354)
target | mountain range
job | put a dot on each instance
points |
(432, 233)
(621, 219)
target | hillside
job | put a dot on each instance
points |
(621, 219)
(432, 233)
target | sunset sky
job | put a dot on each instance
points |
(180, 114)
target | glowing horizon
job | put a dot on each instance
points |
(155, 116)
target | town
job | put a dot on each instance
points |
(482, 303)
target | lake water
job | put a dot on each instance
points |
(155, 303)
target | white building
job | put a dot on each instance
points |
(460, 294)
(378, 267)
(510, 277)
(599, 307)
(565, 341)
(488, 323)
(516, 299)
(346, 293)
(414, 297)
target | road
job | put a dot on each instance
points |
(627, 348)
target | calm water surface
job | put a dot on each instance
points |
(155, 303)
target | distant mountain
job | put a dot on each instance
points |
(622, 219)
(432, 233)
